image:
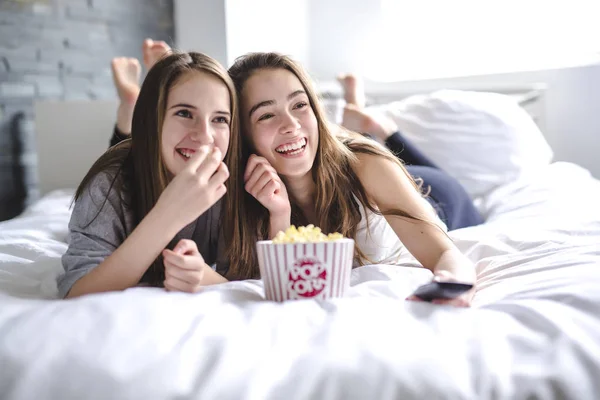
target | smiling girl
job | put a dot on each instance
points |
(160, 189)
(292, 168)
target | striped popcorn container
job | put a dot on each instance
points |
(318, 270)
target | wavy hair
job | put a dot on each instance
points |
(337, 185)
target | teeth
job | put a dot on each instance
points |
(292, 147)
(184, 153)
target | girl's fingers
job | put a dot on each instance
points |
(191, 262)
(256, 175)
(268, 190)
(259, 183)
(458, 302)
(197, 159)
(190, 277)
(172, 260)
(219, 177)
(209, 165)
(176, 285)
(217, 190)
(186, 247)
(253, 162)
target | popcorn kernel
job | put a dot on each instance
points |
(305, 234)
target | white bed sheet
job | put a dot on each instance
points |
(534, 331)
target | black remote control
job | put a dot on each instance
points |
(441, 290)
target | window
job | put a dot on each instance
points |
(428, 39)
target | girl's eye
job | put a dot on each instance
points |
(265, 116)
(221, 120)
(302, 104)
(184, 113)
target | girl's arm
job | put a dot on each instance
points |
(127, 264)
(279, 223)
(212, 277)
(389, 188)
(193, 191)
(118, 136)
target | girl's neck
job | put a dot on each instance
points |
(303, 191)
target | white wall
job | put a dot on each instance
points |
(226, 29)
(200, 25)
(574, 116)
(267, 25)
(340, 35)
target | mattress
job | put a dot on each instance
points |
(533, 331)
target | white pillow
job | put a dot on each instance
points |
(482, 139)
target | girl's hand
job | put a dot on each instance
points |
(465, 299)
(263, 183)
(184, 267)
(196, 188)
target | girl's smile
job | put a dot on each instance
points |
(292, 149)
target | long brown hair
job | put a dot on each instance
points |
(136, 165)
(332, 172)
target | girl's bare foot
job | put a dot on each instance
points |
(126, 76)
(359, 120)
(354, 92)
(154, 51)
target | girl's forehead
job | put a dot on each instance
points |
(271, 82)
(189, 80)
(198, 86)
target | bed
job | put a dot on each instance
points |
(533, 331)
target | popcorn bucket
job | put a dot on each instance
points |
(316, 270)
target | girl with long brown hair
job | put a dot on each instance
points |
(148, 209)
(292, 167)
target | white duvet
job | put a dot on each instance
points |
(534, 330)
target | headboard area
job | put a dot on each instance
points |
(70, 136)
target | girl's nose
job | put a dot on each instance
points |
(201, 133)
(289, 124)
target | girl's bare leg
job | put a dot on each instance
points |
(126, 76)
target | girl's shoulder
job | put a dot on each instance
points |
(381, 175)
(362, 147)
(368, 163)
(106, 176)
(101, 186)
(102, 199)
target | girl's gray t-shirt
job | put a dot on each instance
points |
(101, 221)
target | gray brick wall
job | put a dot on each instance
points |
(61, 49)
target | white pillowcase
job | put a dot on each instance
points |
(482, 139)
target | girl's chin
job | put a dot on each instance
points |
(297, 171)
